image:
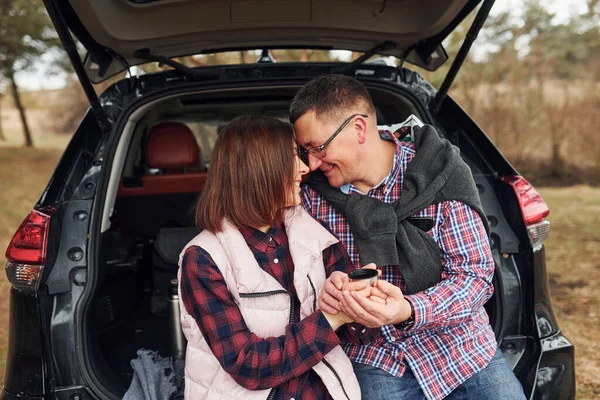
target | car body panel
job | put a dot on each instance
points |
(25, 371)
(112, 30)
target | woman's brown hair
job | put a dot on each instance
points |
(250, 176)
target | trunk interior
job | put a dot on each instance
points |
(152, 217)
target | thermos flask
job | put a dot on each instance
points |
(176, 337)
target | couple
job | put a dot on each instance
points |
(267, 306)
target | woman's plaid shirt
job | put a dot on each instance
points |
(451, 339)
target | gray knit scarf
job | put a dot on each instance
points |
(385, 233)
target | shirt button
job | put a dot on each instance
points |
(276, 261)
(270, 239)
(392, 338)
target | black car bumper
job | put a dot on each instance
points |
(9, 396)
(555, 372)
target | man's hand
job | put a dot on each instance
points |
(377, 296)
(331, 294)
(371, 312)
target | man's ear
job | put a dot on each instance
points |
(360, 125)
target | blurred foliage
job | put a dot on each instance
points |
(528, 47)
(26, 34)
(535, 90)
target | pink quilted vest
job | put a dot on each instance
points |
(265, 316)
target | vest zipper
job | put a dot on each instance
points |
(273, 293)
(314, 293)
(336, 376)
(272, 394)
(273, 391)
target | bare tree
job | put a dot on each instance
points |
(25, 34)
(1, 130)
(19, 105)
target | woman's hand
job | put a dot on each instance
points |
(336, 320)
(331, 294)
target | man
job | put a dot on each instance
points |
(412, 208)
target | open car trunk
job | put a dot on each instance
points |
(148, 218)
(121, 33)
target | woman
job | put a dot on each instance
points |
(249, 282)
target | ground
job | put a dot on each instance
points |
(573, 257)
(573, 253)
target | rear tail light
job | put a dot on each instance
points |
(538, 233)
(533, 208)
(26, 252)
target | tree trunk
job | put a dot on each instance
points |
(304, 56)
(556, 166)
(19, 105)
(1, 131)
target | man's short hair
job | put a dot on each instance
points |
(330, 97)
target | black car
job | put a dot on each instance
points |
(91, 265)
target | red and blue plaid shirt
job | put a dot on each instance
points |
(451, 338)
(284, 362)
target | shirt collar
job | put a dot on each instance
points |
(260, 240)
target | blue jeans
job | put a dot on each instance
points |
(494, 382)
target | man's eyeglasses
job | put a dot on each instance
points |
(317, 151)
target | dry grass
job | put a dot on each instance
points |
(573, 256)
(573, 253)
(41, 136)
(540, 126)
(52, 116)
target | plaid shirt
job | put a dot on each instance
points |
(284, 362)
(451, 338)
